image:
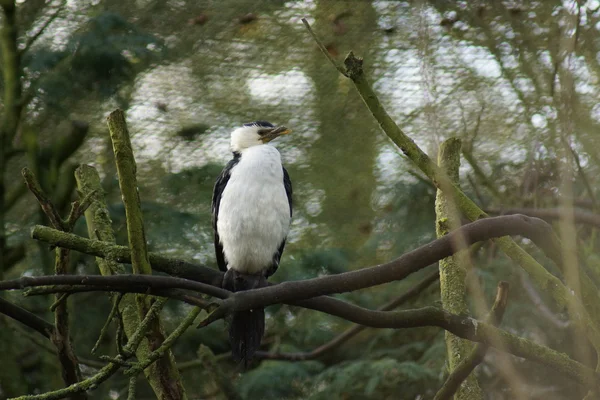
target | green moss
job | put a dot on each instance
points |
(588, 319)
(163, 376)
(452, 273)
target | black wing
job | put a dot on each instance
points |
(216, 202)
(287, 183)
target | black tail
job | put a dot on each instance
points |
(247, 327)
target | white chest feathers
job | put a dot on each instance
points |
(254, 213)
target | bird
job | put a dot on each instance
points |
(251, 217)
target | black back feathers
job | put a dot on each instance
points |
(261, 124)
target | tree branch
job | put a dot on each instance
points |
(60, 335)
(163, 376)
(551, 214)
(477, 354)
(587, 318)
(122, 254)
(26, 318)
(535, 229)
(462, 326)
(45, 202)
(166, 345)
(35, 36)
(353, 331)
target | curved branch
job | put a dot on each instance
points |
(535, 229)
(463, 326)
(26, 318)
(551, 214)
(350, 332)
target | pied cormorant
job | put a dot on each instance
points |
(252, 211)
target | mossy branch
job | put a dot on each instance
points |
(166, 345)
(126, 169)
(475, 357)
(453, 272)
(588, 318)
(163, 375)
(99, 227)
(60, 336)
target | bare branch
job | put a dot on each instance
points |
(535, 229)
(462, 326)
(324, 49)
(26, 318)
(127, 282)
(45, 202)
(353, 331)
(42, 29)
(551, 214)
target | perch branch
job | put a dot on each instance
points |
(462, 326)
(353, 331)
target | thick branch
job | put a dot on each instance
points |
(462, 326)
(535, 229)
(353, 331)
(453, 269)
(99, 227)
(532, 228)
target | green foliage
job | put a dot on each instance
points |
(278, 380)
(381, 378)
(99, 57)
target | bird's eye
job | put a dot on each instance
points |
(262, 132)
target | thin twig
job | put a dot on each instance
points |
(42, 29)
(45, 202)
(113, 311)
(324, 49)
(166, 345)
(62, 298)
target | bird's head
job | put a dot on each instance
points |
(255, 133)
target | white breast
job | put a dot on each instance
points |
(254, 213)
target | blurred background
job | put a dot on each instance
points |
(518, 82)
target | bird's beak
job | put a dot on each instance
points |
(274, 133)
